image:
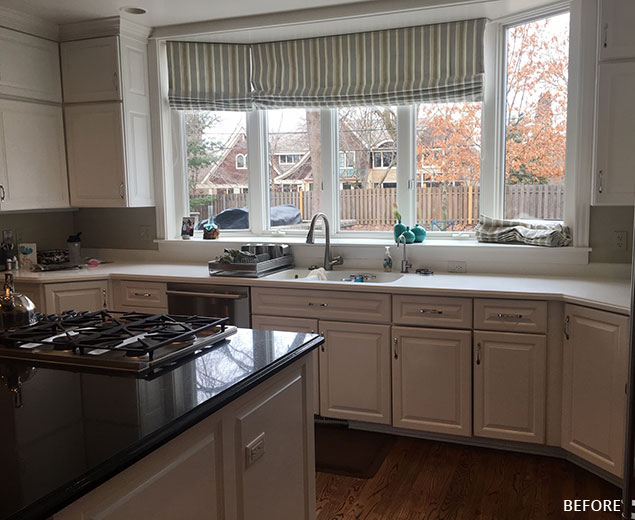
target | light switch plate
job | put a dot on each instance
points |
(255, 450)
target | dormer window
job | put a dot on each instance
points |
(241, 161)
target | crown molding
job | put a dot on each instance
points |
(29, 24)
(111, 26)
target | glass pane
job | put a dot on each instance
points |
(368, 167)
(448, 162)
(294, 166)
(217, 167)
(536, 118)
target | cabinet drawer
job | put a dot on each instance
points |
(510, 315)
(140, 294)
(432, 311)
(330, 305)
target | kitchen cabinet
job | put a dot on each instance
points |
(510, 386)
(109, 139)
(140, 296)
(355, 371)
(29, 67)
(32, 156)
(594, 386)
(432, 311)
(617, 38)
(78, 296)
(432, 380)
(294, 325)
(614, 182)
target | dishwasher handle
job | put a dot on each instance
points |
(220, 296)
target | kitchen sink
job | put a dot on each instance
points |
(359, 276)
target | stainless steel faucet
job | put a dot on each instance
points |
(405, 265)
(329, 261)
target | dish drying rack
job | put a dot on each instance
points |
(255, 267)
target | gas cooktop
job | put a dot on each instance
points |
(122, 341)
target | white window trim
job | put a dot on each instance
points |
(579, 143)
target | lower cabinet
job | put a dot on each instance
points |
(355, 372)
(78, 296)
(432, 380)
(594, 386)
(510, 376)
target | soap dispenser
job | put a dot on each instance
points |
(387, 260)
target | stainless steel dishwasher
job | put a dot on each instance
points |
(218, 301)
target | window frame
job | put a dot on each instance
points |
(577, 200)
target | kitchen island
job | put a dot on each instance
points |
(227, 433)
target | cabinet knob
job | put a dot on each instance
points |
(566, 327)
(103, 293)
(430, 311)
(478, 353)
(2, 193)
(121, 191)
(396, 343)
(311, 304)
(600, 181)
(115, 81)
(143, 295)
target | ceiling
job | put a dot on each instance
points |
(161, 12)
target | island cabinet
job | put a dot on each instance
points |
(594, 386)
(510, 369)
(251, 460)
(354, 361)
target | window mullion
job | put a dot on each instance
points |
(406, 163)
(330, 162)
(258, 171)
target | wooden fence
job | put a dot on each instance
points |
(373, 207)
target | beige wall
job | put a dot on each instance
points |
(605, 220)
(48, 229)
(117, 228)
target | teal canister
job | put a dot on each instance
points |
(410, 236)
(420, 233)
(398, 230)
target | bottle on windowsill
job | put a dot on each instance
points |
(387, 260)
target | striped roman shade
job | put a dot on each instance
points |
(209, 76)
(431, 63)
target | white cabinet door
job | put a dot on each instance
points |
(355, 371)
(510, 377)
(29, 66)
(90, 70)
(617, 37)
(77, 296)
(294, 325)
(432, 380)
(594, 386)
(615, 153)
(32, 156)
(94, 137)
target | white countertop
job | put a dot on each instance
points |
(602, 293)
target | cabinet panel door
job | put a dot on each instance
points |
(29, 66)
(615, 154)
(432, 311)
(78, 296)
(617, 38)
(90, 70)
(432, 380)
(594, 382)
(32, 156)
(355, 372)
(95, 155)
(510, 377)
(294, 325)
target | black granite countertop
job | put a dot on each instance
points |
(76, 429)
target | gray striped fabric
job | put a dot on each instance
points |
(536, 234)
(209, 76)
(431, 63)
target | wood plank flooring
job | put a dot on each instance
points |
(426, 480)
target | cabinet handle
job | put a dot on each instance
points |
(322, 347)
(121, 191)
(430, 311)
(566, 327)
(504, 316)
(478, 353)
(318, 304)
(103, 293)
(143, 295)
(2, 193)
(605, 30)
(115, 81)
(396, 343)
(600, 181)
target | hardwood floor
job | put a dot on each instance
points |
(426, 480)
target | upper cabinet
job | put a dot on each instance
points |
(617, 38)
(108, 122)
(29, 67)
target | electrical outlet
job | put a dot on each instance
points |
(144, 233)
(255, 450)
(621, 240)
(457, 267)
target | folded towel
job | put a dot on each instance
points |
(546, 234)
(317, 274)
